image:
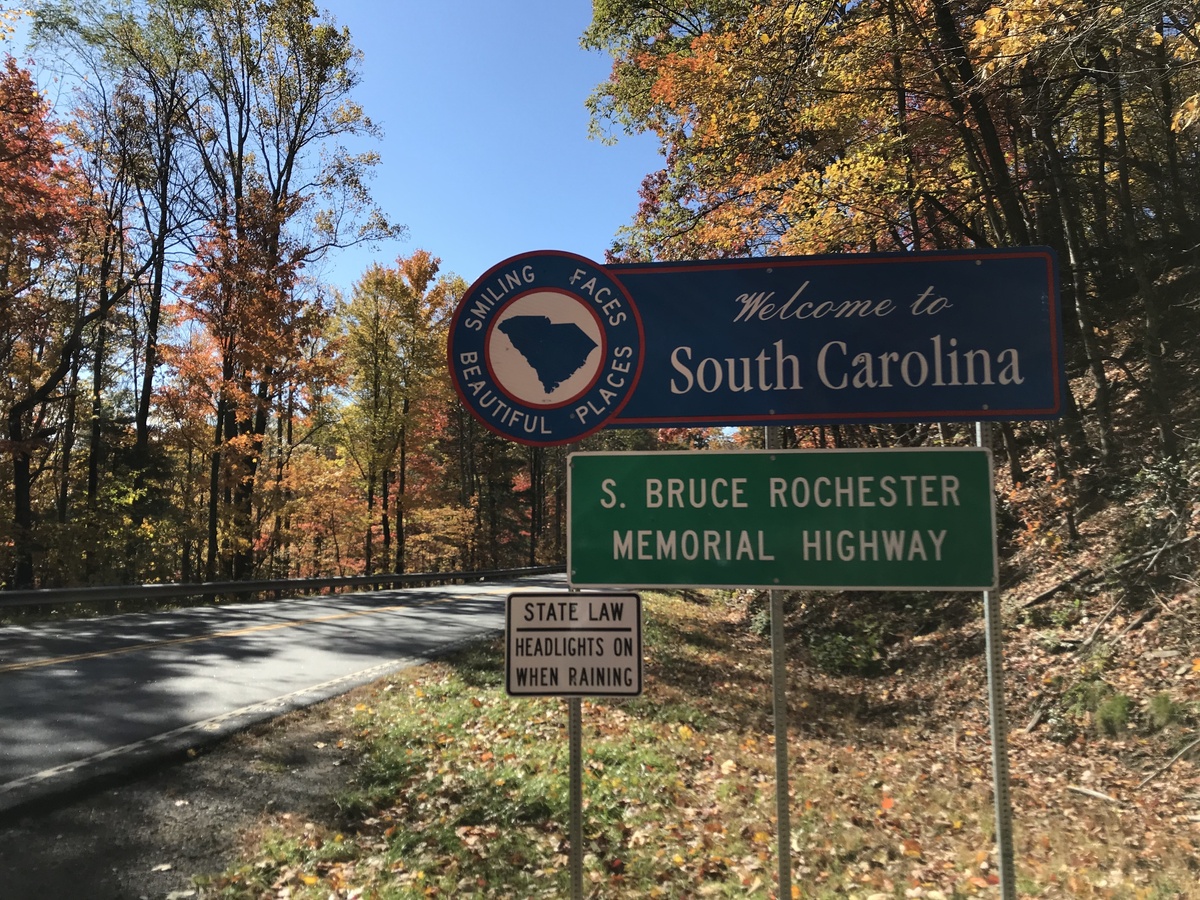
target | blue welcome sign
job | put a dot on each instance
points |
(548, 347)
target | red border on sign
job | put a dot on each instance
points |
(1055, 410)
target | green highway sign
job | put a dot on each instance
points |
(894, 519)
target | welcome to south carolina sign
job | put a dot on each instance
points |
(548, 347)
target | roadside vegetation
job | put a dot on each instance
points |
(462, 791)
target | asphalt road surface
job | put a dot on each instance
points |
(88, 698)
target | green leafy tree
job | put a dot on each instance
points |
(129, 128)
(395, 326)
(275, 79)
(45, 231)
(808, 128)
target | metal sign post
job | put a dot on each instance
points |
(999, 720)
(898, 519)
(575, 828)
(779, 685)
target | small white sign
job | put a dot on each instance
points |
(574, 645)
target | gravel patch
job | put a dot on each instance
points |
(147, 836)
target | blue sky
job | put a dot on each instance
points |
(486, 151)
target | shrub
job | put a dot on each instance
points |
(1113, 714)
(1086, 696)
(1163, 711)
(847, 654)
(1067, 615)
(1165, 491)
(760, 622)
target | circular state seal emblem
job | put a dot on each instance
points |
(545, 348)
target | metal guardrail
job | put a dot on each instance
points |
(66, 596)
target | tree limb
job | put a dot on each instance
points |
(1174, 759)
(1090, 793)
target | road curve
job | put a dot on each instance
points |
(90, 698)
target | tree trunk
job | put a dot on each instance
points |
(285, 458)
(368, 541)
(185, 563)
(560, 504)
(1174, 187)
(245, 528)
(402, 495)
(141, 447)
(1100, 182)
(385, 515)
(535, 501)
(95, 433)
(993, 151)
(1013, 452)
(1152, 329)
(910, 194)
(22, 576)
(1073, 237)
(68, 446)
(214, 494)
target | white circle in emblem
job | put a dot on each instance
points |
(545, 348)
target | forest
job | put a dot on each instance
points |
(184, 399)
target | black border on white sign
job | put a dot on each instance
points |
(593, 631)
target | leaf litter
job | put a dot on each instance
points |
(462, 791)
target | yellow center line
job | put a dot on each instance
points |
(150, 645)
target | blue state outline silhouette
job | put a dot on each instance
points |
(554, 350)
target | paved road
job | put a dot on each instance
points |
(93, 697)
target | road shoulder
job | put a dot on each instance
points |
(150, 834)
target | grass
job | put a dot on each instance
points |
(1163, 711)
(1113, 714)
(462, 791)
